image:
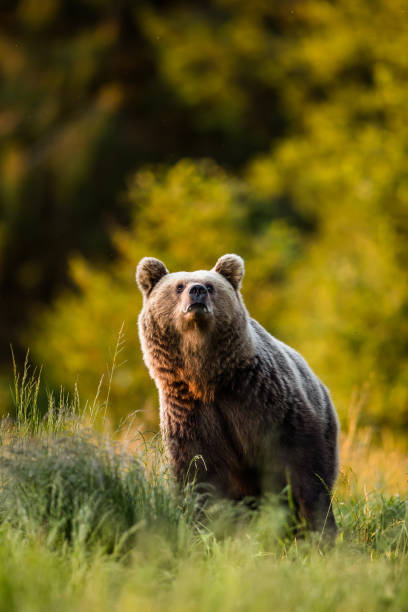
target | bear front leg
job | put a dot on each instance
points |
(314, 505)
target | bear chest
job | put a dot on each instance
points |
(217, 444)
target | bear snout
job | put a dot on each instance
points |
(198, 292)
(198, 300)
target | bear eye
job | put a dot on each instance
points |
(210, 287)
(179, 288)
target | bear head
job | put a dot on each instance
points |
(182, 301)
(193, 325)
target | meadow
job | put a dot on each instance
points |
(91, 520)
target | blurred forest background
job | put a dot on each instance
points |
(185, 130)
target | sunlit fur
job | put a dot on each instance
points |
(233, 394)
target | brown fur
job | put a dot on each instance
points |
(233, 394)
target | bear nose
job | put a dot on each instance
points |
(198, 292)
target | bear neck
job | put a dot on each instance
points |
(209, 361)
(198, 361)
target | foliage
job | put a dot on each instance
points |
(335, 295)
(352, 319)
(298, 109)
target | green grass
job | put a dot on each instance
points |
(88, 525)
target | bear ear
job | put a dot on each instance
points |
(232, 268)
(148, 272)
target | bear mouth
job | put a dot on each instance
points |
(197, 307)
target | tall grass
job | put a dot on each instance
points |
(89, 521)
(64, 480)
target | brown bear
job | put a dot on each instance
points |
(245, 402)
